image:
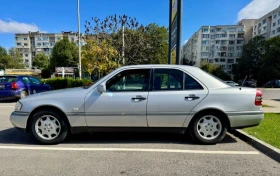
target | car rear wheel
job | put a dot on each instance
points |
(208, 129)
(48, 127)
(23, 94)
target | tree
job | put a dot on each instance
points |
(215, 70)
(188, 62)
(41, 61)
(64, 54)
(4, 58)
(15, 60)
(271, 60)
(100, 56)
(251, 61)
(142, 44)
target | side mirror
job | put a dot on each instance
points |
(101, 88)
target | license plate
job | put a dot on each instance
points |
(2, 86)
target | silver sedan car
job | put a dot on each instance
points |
(146, 97)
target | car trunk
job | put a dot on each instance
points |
(7, 84)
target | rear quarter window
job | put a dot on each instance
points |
(8, 79)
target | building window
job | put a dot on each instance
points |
(216, 60)
(273, 32)
(231, 35)
(255, 33)
(238, 54)
(25, 44)
(240, 41)
(231, 61)
(231, 48)
(212, 36)
(204, 54)
(18, 44)
(239, 48)
(205, 48)
(212, 30)
(58, 38)
(205, 30)
(264, 21)
(205, 42)
(218, 42)
(205, 36)
(24, 38)
(264, 28)
(232, 29)
(218, 30)
(224, 54)
(279, 13)
(278, 29)
(223, 60)
(223, 48)
(255, 26)
(26, 55)
(223, 42)
(231, 42)
(39, 44)
(218, 48)
(45, 38)
(224, 35)
(274, 24)
(260, 25)
(223, 66)
(45, 44)
(26, 60)
(259, 31)
(275, 16)
(230, 54)
(278, 22)
(211, 60)
(240, 35)
(240, 29)
(229, 66)
(218, 35)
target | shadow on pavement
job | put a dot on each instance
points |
(15, 136)
(8, 101)
(276, 99)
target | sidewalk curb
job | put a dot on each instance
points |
(263, 147)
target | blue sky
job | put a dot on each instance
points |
(60, 15)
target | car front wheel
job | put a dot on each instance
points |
(48, 127)
(208, 129)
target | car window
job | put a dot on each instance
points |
(191, 84)
(129, 80)
(168, 79)
(35, 80)
(277, 82)
(25, 80)
(6, 79)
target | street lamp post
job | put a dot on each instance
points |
(79, 40)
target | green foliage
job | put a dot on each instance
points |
(41, 61)
(15, 59)
(4, 58)
(260, 60)
(63, 83)
(268, 131)
(215, 70)
(64, 54)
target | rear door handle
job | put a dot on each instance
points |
(138, 98)
(191, 97)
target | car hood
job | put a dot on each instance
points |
(56, 93)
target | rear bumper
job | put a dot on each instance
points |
(240, 120)
(9, 94)
(19, 119)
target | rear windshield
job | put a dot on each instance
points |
(6, 79)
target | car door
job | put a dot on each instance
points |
(36, 85)
(174, 94)
(124, 104)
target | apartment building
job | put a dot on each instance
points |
(32, 43)
(268, 25)
(220, 45)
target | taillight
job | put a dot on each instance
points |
(14, 86)
(258, 99)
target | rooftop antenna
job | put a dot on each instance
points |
(243, 82)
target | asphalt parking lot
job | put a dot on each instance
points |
(126, 154)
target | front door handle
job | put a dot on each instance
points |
(191, 97)
(138, 98)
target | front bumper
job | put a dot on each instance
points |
(245, 119)
(19, 119)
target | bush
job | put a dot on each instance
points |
(63, 83)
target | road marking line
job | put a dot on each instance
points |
(133, 150)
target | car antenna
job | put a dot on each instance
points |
(243, 83)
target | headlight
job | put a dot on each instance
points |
(18, 106)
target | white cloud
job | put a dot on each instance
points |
(10, 26)
(257, 9)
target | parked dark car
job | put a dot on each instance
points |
(273, 84)
(17, 87)
(249, 83)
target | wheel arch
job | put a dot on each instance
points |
(213, 111)
(45, 107)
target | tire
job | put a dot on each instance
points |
(23, 94)
(49, 127)
(208, 128)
